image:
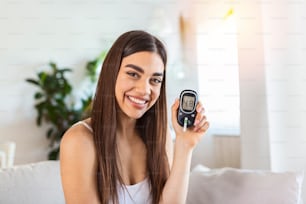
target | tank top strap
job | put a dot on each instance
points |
(86, 125)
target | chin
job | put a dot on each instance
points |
(136, 116)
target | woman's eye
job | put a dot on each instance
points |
(132, 74)
(157, 81)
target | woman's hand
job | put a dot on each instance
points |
(193, 134)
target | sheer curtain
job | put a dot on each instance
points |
(271, 50)
(272, 82)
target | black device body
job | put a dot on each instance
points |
(187, 108)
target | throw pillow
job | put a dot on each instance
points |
(238, 186)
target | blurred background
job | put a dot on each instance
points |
(246, 59)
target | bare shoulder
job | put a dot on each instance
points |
(78, 137)
(77, 148)
(78, 165)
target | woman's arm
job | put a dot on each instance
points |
(78, 166)
(175, 190)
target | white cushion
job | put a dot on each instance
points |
(32, 183)
(237, 186)
(201, 168)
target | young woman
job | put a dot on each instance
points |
(124, 153)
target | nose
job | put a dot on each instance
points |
(143, 87)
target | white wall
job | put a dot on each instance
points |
(69, 33)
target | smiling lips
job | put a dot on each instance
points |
(138, 102)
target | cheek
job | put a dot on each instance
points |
(121, 84)
(155, 97)
(118, 90)
(156, 92)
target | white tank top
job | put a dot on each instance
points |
(138, 193)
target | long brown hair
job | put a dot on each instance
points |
(152, 126)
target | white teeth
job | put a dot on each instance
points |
(136, 100)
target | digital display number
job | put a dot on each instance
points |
(188, 103)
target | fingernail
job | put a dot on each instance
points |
(200, 110)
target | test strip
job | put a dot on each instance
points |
(185, 124)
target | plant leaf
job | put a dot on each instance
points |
(49, 133)
(32, 81)
(53, 155)
(38, 95)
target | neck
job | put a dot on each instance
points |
(126, 127)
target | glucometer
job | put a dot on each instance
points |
(187, 109)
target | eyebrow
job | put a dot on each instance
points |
(139, 69)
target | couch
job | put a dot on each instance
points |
(40, 183)
(36, 183)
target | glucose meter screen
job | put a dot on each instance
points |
(188, 102)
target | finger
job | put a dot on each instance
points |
(200, 122)
(200, 107)
(174, 108)
(205, 126)
(202, 128)
(199, 116)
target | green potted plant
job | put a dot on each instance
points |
(55, 105)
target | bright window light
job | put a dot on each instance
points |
(218, 73)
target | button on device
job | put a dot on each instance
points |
(189, 123)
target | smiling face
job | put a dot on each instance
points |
(139, 82)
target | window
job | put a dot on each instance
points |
(218, 72)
